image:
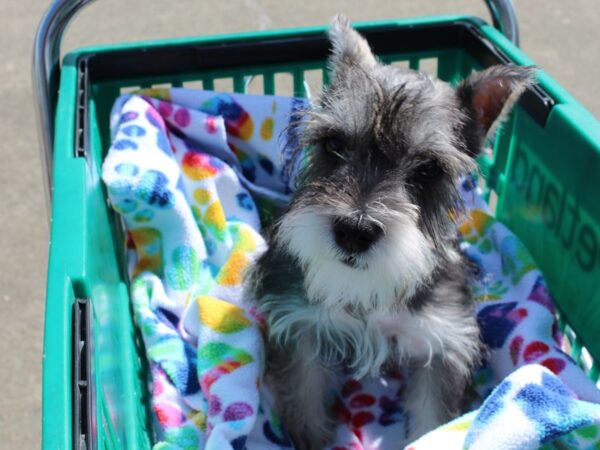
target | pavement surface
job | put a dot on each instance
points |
(562, 37)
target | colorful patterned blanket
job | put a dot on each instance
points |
(192, 173)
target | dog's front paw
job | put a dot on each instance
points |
(312, 438)
(300, 385)
(419, 428)
(310, 428)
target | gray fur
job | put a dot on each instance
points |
(388, 147)
(302, 387)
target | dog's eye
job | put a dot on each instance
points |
(426, 173)
(334, 147)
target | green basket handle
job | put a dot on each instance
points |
(46, 66)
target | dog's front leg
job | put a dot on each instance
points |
(301, 383)
(434, 393)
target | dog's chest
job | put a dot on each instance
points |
(369, 340)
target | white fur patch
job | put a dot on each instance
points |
(364, 343)
(420, 336)
(390, 271)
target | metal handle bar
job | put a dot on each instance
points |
(504, 18)
(46, 60)
(45, 74)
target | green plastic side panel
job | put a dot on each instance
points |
(551, 200)
(546, 203)
(546, 180)
(64, 265)
(83, 263)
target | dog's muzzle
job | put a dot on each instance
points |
(356, 235)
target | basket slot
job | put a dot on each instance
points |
(83, 404)
(194, 84)
(562, 324)
(128, 89)
(413, 63)
(484, 187)
(576, 348)
(571, 344)
(223, 85)
(587, 363)
(160, 86)
(284, 83)
(568, 338)
(313, 83)
(81, 118)
(254, 84)
(403, 63)
(429, 65)
(177, 83)
(492, 201)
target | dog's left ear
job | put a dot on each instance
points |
(349, 49)
(486, 97)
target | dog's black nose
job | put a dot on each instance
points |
(355, 235)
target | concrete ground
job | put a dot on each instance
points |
(562, 37)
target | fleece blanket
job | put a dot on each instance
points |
(192, 173)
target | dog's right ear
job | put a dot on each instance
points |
(486, 97)
(349, 49)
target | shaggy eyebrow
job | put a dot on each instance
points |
(324, 126)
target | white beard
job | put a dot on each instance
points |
(391, 270)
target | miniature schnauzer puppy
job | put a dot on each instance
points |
(362, 273)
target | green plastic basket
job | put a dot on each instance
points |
(543, 178)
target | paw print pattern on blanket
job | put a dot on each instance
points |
(237, 120)
(370, 411)
(218, 359)
(185, 268)
(189, 171)
(148, 242)
(498, 321)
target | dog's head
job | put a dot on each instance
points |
(373, 215)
